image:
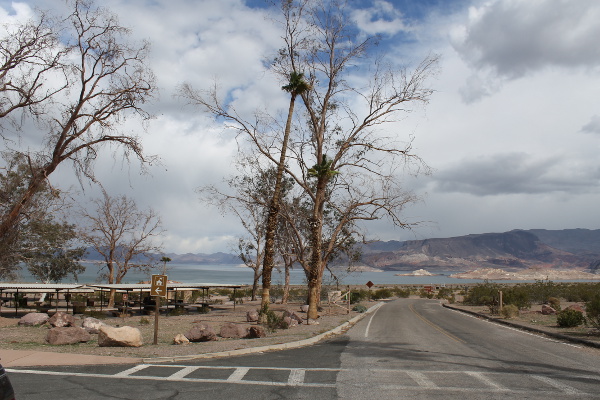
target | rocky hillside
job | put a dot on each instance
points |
(516, 249)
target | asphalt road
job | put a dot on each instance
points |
(407, 349)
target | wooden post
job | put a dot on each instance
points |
(500, 301)
(156, 310)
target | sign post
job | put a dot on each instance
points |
(370, 285)
(158, 289)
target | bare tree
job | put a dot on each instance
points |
(29, 53)
(346, 160)
(124, 236)
(339, 153)
(102, 79)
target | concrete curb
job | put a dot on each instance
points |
(554, 335)
(282, 346)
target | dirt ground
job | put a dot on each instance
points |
(534, 318)
(15, 337)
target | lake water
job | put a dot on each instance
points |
(242, 275)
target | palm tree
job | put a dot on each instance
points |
(296, 86)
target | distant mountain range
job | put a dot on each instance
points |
(514, 250)
(518, 249)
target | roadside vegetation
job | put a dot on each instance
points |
(566, 305)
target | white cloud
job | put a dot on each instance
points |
(516, 37)
(381, 18)
(508, 157)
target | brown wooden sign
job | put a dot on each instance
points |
(370, 284)
(159, 286)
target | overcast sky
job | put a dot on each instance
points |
(512, 132)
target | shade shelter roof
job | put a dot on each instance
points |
(44, 287)
(145, 287)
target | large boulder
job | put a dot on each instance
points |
(547, 310)
(233, 331)
(61, 319)
(292, 315)
(125, 336)
(67, 335)
(575, 307)
(252, 316)
(34, 319)
(255, 332)
(289, 322)
(92, 325)
(180, 339)
(201, 332)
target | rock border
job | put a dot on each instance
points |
(282, 346)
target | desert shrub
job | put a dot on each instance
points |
(541, 291)
(359, 308)
(402, 293)
(481, 294)
(444, 293)
(510, 311)
(383, 293)
(270, 319)
(592, 310)
(492, 304)
(358, 296)
(580, 291)
(518, 295)
(238, 296)
(569, 318)
(554, 302)
(424, 294)
(144, 321)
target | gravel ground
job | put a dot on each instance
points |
(16, 337)
(534, 318)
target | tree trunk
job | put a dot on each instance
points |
(269, 258)
(286, 286)
(316, 242)
(257, 275)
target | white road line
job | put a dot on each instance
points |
(486, 380)
(296, 377)
(237, 366)
(238, 374)
(182, 373)
(559, 385)
(421, 379)
(370, 320)
(130, 371)
(537, 335)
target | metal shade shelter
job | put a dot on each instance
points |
(42, 288)
(171, 287)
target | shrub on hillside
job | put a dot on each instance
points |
(402, 293)
(383, 293)
(592, 310)
(510, 311)
(359, 308)
(480, 294)
(554, 303)
(569, 318)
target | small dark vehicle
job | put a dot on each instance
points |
(6, 389)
